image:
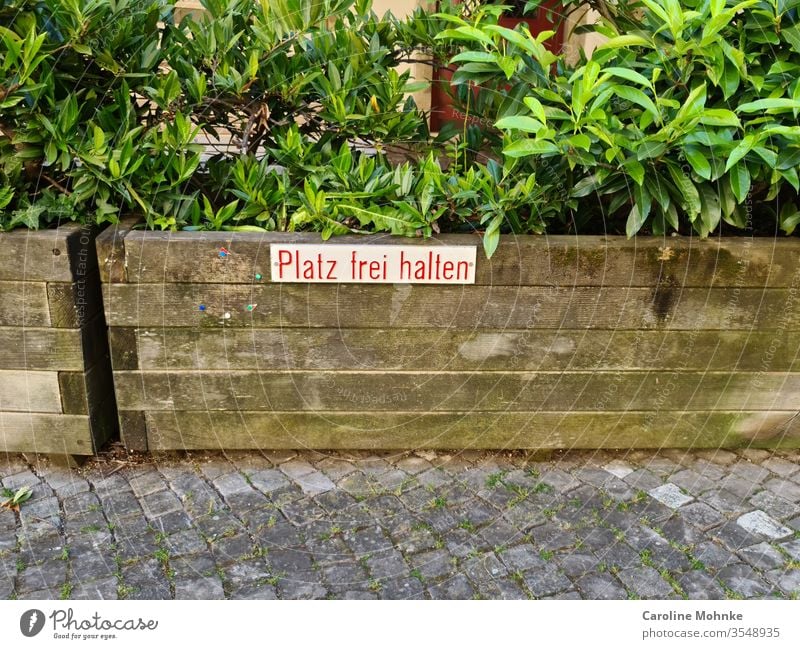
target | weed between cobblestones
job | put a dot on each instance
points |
(729, 593)
(467, 525)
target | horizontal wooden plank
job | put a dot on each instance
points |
(24, 304)
(123, 348)
(74, 305)
(72, 386)
(81, 390)
(40, 349)
(62, 254)
(35, 256)
(437, 349)
(177, 430)
(152, 257)
(450, 391)
(471, 307)
(45, 433)
(29, 391)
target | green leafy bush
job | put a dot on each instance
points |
(77, 136)
(685, 117)
(297, 114)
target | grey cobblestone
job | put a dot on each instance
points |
(699, 585)
(97, 589)
(147, 483)
(743, 580)
(306, 525)
(762, 556)
(785, 488)
(600, 586)
(204, 588)
(780, 466)
(458, 587)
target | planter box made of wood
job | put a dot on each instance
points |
(563, 342)
(56, 393)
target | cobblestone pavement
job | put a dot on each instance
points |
(671, 524)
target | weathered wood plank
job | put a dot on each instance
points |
(133, 430)
(73, 305)
(36, 256)
(123, 348)
(40, 349)
(73, 393)
(24, 304)
(472, 307)
(45, 433)
(543, 430)
(450, 391)
(152, 257)
(54, 255)
(437, 349)
(81, 390)
(29, 391)
(110, 245)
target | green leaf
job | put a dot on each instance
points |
(730, 80)
(698, 161)
(520, 40)
(788, 157)
(710, 210)
(636, 96)
(522, 148)
(789, 217)
(475, 57)
(687, 189)
(629, 75)
(769, 106)
(649, 149)
(719, 117)
(627, 40)
(536, 108)
(739, 179)
(790, 175)
(98, 138)
(580, 141)
(635, 170)
(741, 150)
(584, 187)
(491, 237)
(520, 123)
(693, 105)
(636, 219)
(465, 33)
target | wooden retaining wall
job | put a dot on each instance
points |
(56, 392)
(563, 342)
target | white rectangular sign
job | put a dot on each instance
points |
(368, 264)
